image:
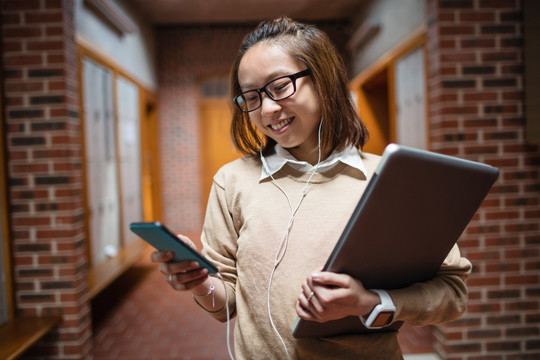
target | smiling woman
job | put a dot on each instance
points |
(274, 215)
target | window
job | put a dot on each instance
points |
(113, 160)
(391, 95)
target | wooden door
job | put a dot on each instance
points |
(217, 148)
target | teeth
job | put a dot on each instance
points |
(281, 124)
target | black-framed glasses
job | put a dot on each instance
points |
(278, 89)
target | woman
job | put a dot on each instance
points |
(274, 216)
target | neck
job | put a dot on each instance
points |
(311, 157)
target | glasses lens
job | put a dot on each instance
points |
(281, 88)
(248, 101)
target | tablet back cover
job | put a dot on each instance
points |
(412, 213)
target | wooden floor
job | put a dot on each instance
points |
(139, 317)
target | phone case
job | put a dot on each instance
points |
(161, 238)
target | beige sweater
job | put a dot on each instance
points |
(244, 224)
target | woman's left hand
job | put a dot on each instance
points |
(329, 296)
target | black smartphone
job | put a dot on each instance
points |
(161, 238)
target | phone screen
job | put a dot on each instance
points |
(161, 238)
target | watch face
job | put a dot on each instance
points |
(383, 319)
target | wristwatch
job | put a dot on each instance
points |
(382, 314)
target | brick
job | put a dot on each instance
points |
(503, 346)
(479, 123)
(504, 294)
(453, 57)
(452, 84)
(521, 227)
(42, 17)
(45, 73)
(57, 285)
(503, 267)
(523, 331)
(31, 221)
(503, 319)
(22, 33)
(499, 82)
(478, 70)
(497, 29)
(531, 305)
(48, 126)
(51, 180)
(484, 281)
(27, 141)
(533, 345)
(477, 16)
(34, 247)
(500, 109)
(483, 43)
(456, 4)
(511, 16)
(17, 5)
(30, 168)
(48, 99)
(483, 334)
(37, 298)
(22, 114)
(455, 30)
(24, 87)
(497, 4)
(465, 347)
(497, 56)
(516, 42)
(483, 308)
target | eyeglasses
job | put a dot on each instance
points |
(278, 89)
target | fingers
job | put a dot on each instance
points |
(329, 279)
(161, 256)
(184, 281)
(309, 306)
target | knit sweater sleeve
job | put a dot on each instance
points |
(219, 239)
(441, 299)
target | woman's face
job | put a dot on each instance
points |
(293, 122)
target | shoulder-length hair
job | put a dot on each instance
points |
(341, 125)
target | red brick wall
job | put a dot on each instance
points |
(186, 56)
(476, 95)
(44, 171)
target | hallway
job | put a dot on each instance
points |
(140, 318)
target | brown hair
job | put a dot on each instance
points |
(341, 124)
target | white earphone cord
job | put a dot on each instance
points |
(284, 242)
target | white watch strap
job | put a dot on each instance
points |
(386, 305)
(386, 300)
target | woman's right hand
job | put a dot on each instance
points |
(181, 275)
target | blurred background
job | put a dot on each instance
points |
(116, 111)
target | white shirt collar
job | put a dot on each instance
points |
(280, 157)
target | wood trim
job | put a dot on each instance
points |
(150, 155)
(386, 64)
(20, 334)
(415, 39)
(391, 81)
(102, 275)
(88, 49)
(80, 58)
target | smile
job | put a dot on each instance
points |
(281, 125)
